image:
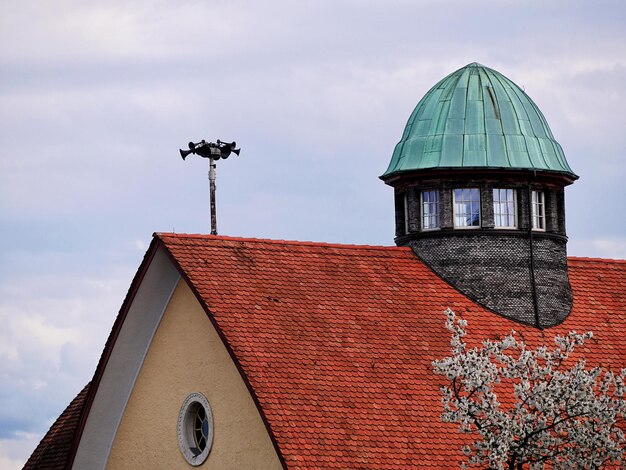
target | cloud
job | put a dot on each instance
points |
(50, 344)
(13, 451)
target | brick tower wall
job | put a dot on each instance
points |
(495, 271)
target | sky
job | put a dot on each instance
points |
(97, 97)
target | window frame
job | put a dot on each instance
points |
(454, 211)
(187, 437)
(437, 215)
(533, 205)
(507, 215)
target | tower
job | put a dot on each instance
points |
(479, 186)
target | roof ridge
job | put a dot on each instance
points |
(601, 260)
(271, 241)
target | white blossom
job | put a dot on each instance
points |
(552, 413)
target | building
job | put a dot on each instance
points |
(245, 353)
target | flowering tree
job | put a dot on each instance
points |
(531, 408)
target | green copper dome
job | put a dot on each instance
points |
(477, 118)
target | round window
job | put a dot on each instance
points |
(195, 429)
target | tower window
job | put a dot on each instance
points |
(466, 208)
(504, 204)
(430, 210)
(538, 210)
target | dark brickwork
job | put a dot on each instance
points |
(413, 210)
(400, 219)
(523, 218)
(496, 272)
(554, 295)
(445, 207)
(552, 218)
(486, 206)
(560, 210)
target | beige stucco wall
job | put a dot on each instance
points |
(187, 355)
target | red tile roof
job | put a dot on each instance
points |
(336, 341)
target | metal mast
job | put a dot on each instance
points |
(212, 166)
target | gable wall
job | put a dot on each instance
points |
(187, 355)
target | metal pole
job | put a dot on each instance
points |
(532, 257)
(212, 192)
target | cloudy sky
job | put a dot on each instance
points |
(96, 98)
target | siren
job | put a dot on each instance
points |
(210, 150)
(227, 148)
(185, 153)
(192, 148)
